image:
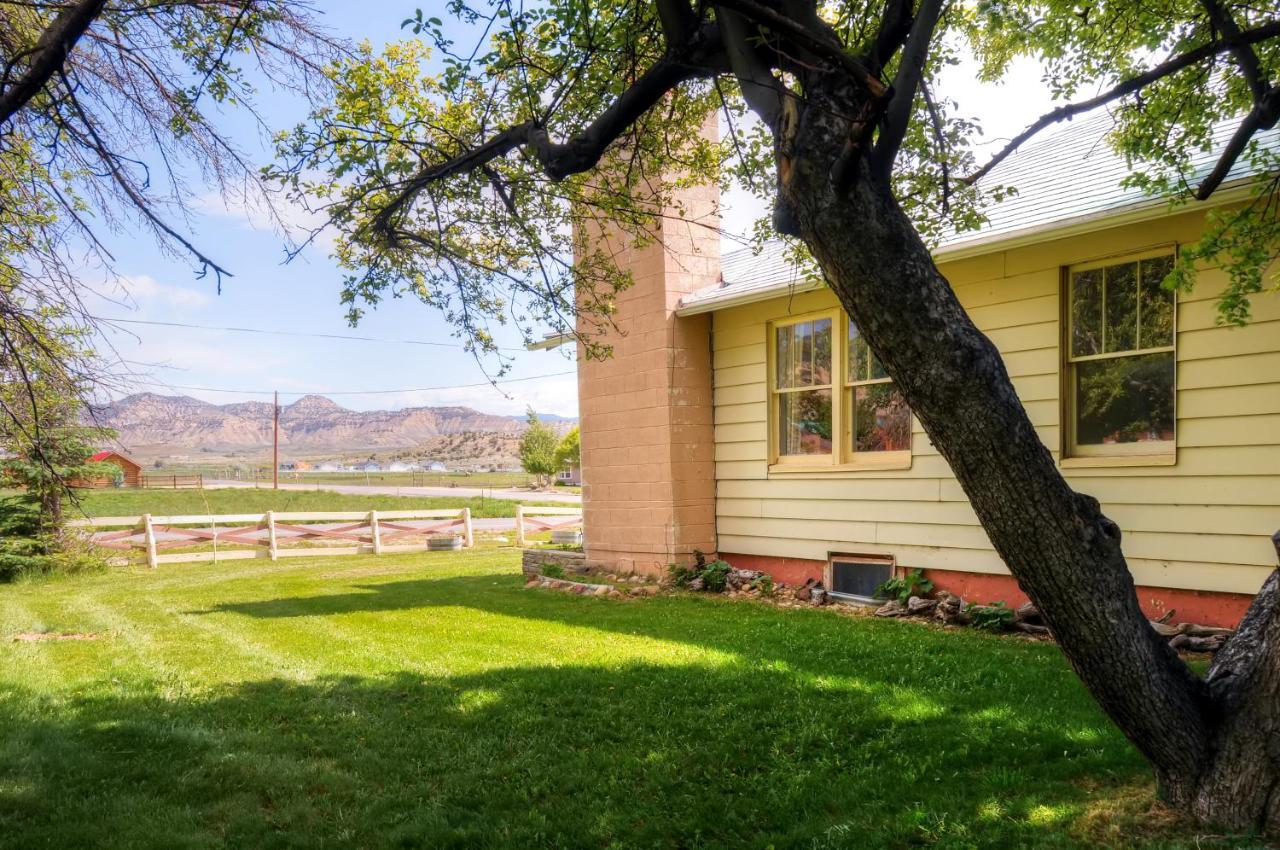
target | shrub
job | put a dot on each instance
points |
(996, 617)
(714, 575)
(904, 587)
(553, 571)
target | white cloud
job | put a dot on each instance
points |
(280, 216)
(143, 291)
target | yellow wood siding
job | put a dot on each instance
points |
(1202, 523)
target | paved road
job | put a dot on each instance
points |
(569, 499)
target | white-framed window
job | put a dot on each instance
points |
(831, 404)
(1121, 366)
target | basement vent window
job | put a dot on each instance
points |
(856, 577)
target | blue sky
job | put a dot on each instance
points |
(303, 295)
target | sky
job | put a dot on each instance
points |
(302, 296)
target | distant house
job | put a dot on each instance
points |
(302, 465)
(130, 471)
(329, 466)
(570, 475)
(368, 466)
(402, 466)
(436, 466)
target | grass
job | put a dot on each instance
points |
(429, 701)
(250, 500)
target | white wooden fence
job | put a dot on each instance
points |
(370, 531)
(529, 517)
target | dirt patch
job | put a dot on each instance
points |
(34, 637)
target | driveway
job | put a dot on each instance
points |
(568, 499)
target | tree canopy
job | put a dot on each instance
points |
(459, 167)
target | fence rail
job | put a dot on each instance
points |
(264, 533)
(530, 517)
(171, 482)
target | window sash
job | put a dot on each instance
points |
(1071, 444)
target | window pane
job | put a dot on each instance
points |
(863, 365)
(803, 353)
(1125, 399)
(881, 419)
(1157, 304)
(784, 352)
(1122, 307)
(1086, 313)
(858, 354)
(804, 422)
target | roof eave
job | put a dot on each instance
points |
(1149, 210)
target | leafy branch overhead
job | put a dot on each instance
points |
(462, 172)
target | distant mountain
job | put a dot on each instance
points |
(150, 422)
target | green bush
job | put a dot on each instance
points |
(714, 574)
(24, 552)
(553, 571)
(904, 587)
(996, 617)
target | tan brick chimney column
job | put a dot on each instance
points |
(648, 471)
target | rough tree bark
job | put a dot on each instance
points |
(1215, 745)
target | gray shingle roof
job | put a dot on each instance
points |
(1065, 177)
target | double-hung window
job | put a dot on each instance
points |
(832, 405)
(1121, 364)
(802, 385)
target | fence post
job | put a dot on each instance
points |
(468, 538)
(520, 526)
(149, 539)
(375, 533)
(271, 534)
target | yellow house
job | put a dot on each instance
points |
(743, 415)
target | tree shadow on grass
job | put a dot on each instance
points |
(716, 755)
(802, 729)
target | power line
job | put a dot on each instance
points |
(275, 332)
(357, 392)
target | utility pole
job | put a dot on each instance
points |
(275, 443)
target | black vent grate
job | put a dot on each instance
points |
(859, 577)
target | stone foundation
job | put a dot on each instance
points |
(533, 560)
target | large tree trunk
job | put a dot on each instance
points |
(1215, 746)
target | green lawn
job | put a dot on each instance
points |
(430, 701)
(247, 500)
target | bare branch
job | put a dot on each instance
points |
(895, 26)
(50, 53)
(905, 84)
(1125, 88)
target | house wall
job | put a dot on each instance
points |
(648, 492)
(1196, 533)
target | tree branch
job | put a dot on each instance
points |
(905, 84)
(1243, 54)
(702, 56)
(895, 26)
(677, 19)
(1127, 87)
(781, 24)
(762, 91)
(1262, 117)
(50, 53)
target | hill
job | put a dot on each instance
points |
(150, 423)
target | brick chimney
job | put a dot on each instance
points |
(648, 466)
